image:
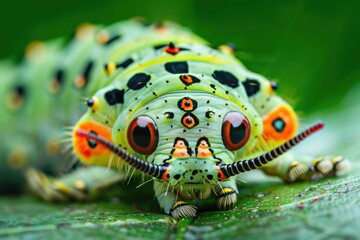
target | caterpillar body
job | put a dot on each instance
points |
(159, 99)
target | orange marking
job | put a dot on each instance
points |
(84, 31)
(186, 79)
(88, 151)
(180, 150)
(35, 51)
(203, 150)
(187, 104)
(188, 121)
(102, 37)
(171, 49)
(221, 174)
(15, 101)
(80, 81)
(165, 176)
(288, 116)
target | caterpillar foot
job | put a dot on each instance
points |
(182, 209)
(341, 166)
(331, 166)
(226, 199)
(297, 171)
(323, 165)
(51, 189)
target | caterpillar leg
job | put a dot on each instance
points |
(82, 184)
(171, 203)
(226, 195)
(293, 168)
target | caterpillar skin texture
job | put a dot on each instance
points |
(183, 109)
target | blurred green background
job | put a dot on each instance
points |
(312, 48)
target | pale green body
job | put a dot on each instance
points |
(155, 98)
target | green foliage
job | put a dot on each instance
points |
(324, 210)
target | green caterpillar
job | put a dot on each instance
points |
(159, 99)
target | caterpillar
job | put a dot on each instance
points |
(158, 99)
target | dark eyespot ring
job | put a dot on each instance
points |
(235, 130)
(143, 135)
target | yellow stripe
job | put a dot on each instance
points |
(317, 160)
(226, 191)
(337, 159)
(177, 204)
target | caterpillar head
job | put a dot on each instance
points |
(188, 141)
(191, 135)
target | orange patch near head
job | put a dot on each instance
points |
(89, 151)
(221, 174)
(280, 124)
(166, 175)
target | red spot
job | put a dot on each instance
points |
(299, 206)
(165, 176)
(171, 49)
(221, 174)
(315, 199)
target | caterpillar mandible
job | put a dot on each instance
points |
(159, 99)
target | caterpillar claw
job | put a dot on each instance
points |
(181, 209)
(226, 199)
(297, 171)
(341, 166)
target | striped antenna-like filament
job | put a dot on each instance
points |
(254, 163)
(151, 169)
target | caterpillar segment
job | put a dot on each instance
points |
(160, 99)
(82, 184)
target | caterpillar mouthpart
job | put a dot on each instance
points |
(156, 171)
(235, 168)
